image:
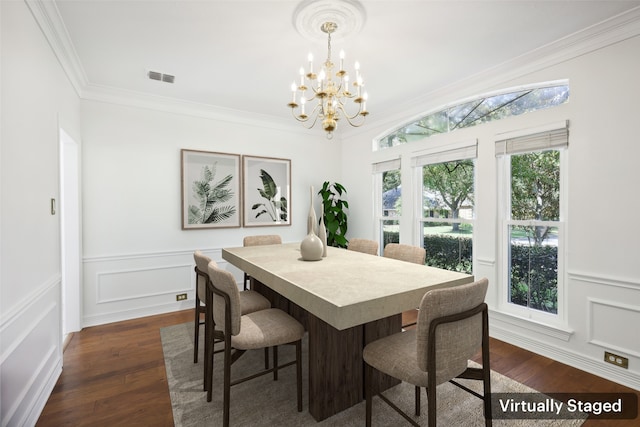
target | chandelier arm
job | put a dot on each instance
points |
(314, 113)
(315, 119)
(346, 115)
(350, 119)
(298, 118)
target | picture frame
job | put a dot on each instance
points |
(211, 186)
(267, 191)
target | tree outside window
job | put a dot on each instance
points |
(533, 230)
(447, 214)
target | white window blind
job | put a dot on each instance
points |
(386, 166)
(538, 141)
(467, 150)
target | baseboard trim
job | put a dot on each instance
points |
(103, 319)
(579, 361)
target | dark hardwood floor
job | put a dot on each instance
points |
(114, 375)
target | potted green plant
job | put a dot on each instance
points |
(334, 214)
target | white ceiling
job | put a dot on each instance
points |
(244, 55)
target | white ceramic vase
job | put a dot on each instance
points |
(322, 234)
(311, 248)
(312, 219)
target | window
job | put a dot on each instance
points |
(532, 224)
(479, 110)
(389, 200)
(447, 205)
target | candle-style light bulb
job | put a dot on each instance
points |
(302, 102)
(301, 76)
(293, 90)
(341, 59)
(310, 58)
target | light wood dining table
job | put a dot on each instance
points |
(345, 301)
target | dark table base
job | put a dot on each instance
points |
(336, 368)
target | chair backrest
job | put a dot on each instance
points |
(363, 245)
(458, 341)
(225, 283)
(414, 254)
(202, 264)
(267, 239)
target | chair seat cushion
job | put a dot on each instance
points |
(267, 328)
(251, 301)
(395, 355)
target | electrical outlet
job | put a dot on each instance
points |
(614, 359)
(181, 297)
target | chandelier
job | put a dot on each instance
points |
(330, 97)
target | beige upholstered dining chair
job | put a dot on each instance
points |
(250, 301)
(266, 239)
(363, 245)
(414, 254)
(261, 329)
(452, 325)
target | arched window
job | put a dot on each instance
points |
(478, 110)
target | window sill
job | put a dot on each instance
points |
(563, 333)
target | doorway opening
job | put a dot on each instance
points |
(70, 227)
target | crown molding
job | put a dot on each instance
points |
(117, 96)
(595, 37)
(614, 30)
(48, 17)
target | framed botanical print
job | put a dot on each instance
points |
(211, 190)
(267, 191)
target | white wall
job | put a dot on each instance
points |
(603, 283)
(37, 100)
(136, 256)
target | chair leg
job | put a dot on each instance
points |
(208, 373)
(367, 393)
(196, 334)
(266, 358)
(275, 363)
(208, 352)
(417, 401)
(299, 373)
(486, 370)
(227, 381)
(431, 406)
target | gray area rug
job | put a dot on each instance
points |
(264, 402)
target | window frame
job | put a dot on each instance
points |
(378, 169)
(503, 161)
(462, 150)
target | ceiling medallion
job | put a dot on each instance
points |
(348, 15)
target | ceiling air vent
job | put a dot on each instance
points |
(155, 75)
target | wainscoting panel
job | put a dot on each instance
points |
(31, 355)
(129, 286)
(603, 312)
(612, 326)
(115, 286)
